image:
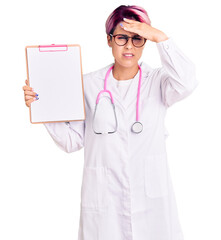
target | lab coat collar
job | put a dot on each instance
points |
(131, 96)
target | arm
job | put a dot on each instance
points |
(69, 136)
(177, 75)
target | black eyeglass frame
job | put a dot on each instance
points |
(127, 39)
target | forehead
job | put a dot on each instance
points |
(120, 30)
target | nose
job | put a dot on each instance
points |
(129, 43)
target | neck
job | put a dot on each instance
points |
(124, 73)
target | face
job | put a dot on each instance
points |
(119, 51)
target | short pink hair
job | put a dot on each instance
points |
(130, 11)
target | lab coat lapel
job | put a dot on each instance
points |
(111, 86)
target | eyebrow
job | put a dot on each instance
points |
(127, 35)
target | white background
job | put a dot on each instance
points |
(39, 183)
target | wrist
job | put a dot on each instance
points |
(161, 38)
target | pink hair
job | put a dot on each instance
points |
(130, 11)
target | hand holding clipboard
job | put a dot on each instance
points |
(30, 95)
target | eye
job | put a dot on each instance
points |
(137, 38)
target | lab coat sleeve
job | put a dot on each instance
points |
(69, 136)
(177, 74)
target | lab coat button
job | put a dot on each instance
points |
(167, 46)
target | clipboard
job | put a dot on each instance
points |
(55, 74)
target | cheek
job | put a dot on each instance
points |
(116, 52)
(138, 54)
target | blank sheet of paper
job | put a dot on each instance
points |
(56, 75)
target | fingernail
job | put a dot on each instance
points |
(36, 94)
(36, 98)
(121, 24)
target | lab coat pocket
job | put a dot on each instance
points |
(94, 188)
(156, 176)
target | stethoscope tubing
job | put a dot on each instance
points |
(112, 100)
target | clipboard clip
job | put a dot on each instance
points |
(53, 48)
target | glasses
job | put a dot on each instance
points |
(122, 39)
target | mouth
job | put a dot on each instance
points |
(128, 55)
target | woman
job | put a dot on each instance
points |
(126, 187)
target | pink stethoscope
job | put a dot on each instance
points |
(137, 126)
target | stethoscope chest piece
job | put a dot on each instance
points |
(137, 127)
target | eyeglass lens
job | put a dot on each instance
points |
(122, 40)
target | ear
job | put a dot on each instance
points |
(109, 41)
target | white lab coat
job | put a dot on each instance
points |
(126, 191)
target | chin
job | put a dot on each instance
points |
(127, 63)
